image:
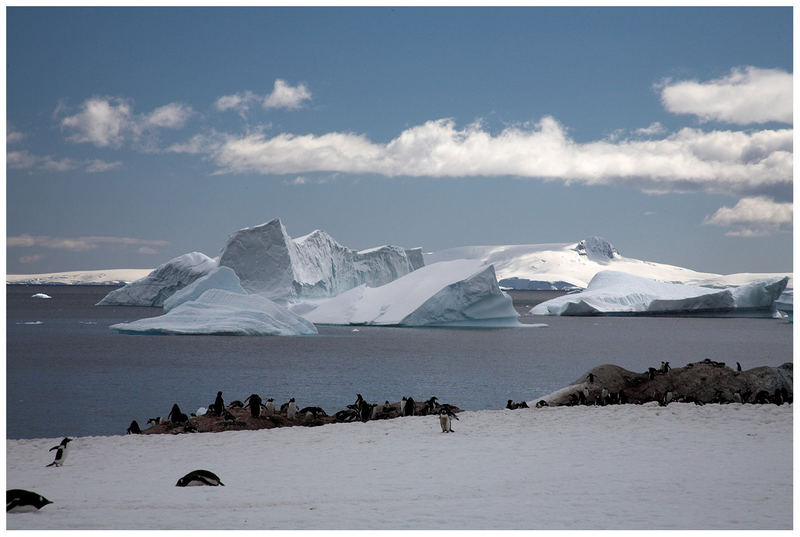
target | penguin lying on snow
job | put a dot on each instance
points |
(199, 478)
(61, 452)
(24, 501)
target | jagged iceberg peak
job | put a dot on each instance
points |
(162, 282)
(597, 248)
(268, 261)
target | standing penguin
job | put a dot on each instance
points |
(133, 428)
(738, 366)
(445, 421)
(219, 404)
(176, 416)
(291, 410)
(61, 452)
(269, 407)
(409, 409)
(254, 402)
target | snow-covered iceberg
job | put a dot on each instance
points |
(219, 278)
(612, 292)
(452, 293)
(219, 311)
(566, 266)
(271, 263)
(161, 283)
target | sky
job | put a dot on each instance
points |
(135, 135)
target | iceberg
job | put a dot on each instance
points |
(567, 266)
(222, 312)
(219, 278)
(41, 295)
(451, 293)
(161, 283)
(612, 292)
(271, 263)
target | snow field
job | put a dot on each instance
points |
(613, 467)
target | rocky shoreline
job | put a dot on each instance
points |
(702, 382)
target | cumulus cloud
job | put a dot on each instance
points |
(78, 244)
(109, 121)
(753, 217)
(13, 136)
(20, 159)
(690, 159)
(746, 95)
(283, 95)
(651, 130)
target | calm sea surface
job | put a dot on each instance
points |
(68, 374)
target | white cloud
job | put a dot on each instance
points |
(13, 136)
(20, 159)
(52, 165)
(753, 217)
(653, 129)
(101, 121)
(746, 95)
(109, 121)
(100, 166)
(78, 244)
(285, 96)
(690, 159)
(169, 116)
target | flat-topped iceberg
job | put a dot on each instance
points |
(566, 266)
(452, 293)
(218, 311)
(612, 292)
(161, 283)
(271, 263)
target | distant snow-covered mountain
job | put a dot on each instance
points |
(80, 277)
(565, 266)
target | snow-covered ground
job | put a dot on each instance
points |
(615, 467)
(80, 277)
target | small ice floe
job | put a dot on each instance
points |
(40, 295)
(30, 322)
(87, 322)
(355, 330)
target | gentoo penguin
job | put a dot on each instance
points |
(154, 421)
(133, 428)
(61, 452)
(254, 402)
(445, 422)
(199, 478)
(591, 378)
(738, 366)
(219, 404)
(511, 405)
(24, 501)
(586, 394)
(176, 416)
(269, 407)
(291, 410)
(604, 396)
(410, 407)
(403, 406)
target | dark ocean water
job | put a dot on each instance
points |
(70, 375)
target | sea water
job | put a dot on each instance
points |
(68, 374)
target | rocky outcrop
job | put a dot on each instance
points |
(700, 382)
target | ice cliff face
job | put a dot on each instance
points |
(451, 293)
(269, 262)
(219, 278)
(161, 283)
(612, 292)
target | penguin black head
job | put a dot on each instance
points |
(291, 400)
(65, 441)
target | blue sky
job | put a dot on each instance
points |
(138, 134)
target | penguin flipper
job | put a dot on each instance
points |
(54, 447)
(15, 502)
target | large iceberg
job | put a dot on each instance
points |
(271, 263)
(452, 293)
(612, 292)
(161, 283)
(218, 311)
(566, 266)
(219, 278)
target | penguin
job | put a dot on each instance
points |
(61, 452)
(199, 478)
(291, 410)
(24, 501)
(154, 421)
(590, 376)
(431, 405)
(445, 421)
(254, 402)
(269, 408)
(176, 416)
(604, 396)
(738, 366)
(586, 395)
(236, 404)
(373, 415)
(410, 407)
(133, 428)
(511, 405)
(219, 404)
